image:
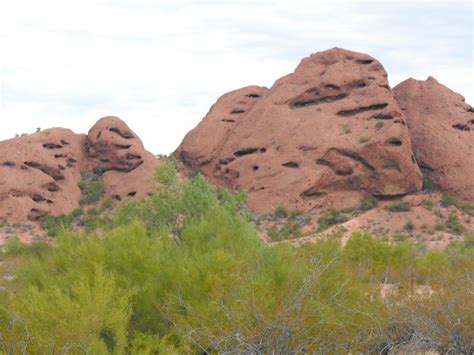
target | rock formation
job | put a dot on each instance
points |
(324, 136)
(441, 126)
(39, 173)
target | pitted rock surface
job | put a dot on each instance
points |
(324, 136)
(442, 131)
(40, 173)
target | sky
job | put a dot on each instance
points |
(160, 64)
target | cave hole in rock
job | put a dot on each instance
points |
(133, 157)
(38, 198)
(253, 96)
(263, 150)
(346, 171)
(132, 193)
(10, 164)
(122, 146)
(381, 116)
(241, 153)
(390, 164)
(52, 146)
(462, 127)
(471, 109)
(255, 167)
(52, 187)
(332, 87)
(59, 156)
(362, 109)
(49, 202)
(99, 134)
(126, 135)
(395, 142)
(35, 214)
(399, 120)
(228, 120)
(364, 61)
(471, 122)
(64, 142)
(291, 164)
(317, 101)
(237, 111)
(71, 163)
(357, 84)
(116, 197)
(61, 167)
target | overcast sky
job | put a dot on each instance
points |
(160, 65)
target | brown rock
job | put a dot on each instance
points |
(442, 131)
(321, 137)
(39, 173)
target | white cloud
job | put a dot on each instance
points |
(160, 65)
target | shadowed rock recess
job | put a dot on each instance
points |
(324, 136)
(39, 173)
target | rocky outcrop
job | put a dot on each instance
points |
(441, 126)
(39, 173)
(324, 136)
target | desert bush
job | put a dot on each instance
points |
(367, 204)
(331, 218)
(398, 207)
(92, 188)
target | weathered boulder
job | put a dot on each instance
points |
(324, 136)
(441, 126)
(40, 173)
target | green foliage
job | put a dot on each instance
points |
(428, 203)
(92, 188)
(289, 230)
(448, 200)
(331, 218)
(56, 224)
(366, 204)
(379, 125)
(280, 212)
(184, 271)
(454, 225)
(167, 172)
(398, 207)
(409, 226)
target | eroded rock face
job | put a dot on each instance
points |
(324, 136)
(442, 131)
(39, 173)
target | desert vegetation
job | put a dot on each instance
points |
(184, 271)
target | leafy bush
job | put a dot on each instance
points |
(366, 205)
(184, 271)
(166, 173)
(280, 212)
(92, 188)
(398, 207)
(331, 218)
(289, 230)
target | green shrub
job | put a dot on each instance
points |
(379, 125)
(398, 207)
(92, 188)
(280, 212)
(167, 172)
(331, 218)
(366, 204)
(409, 226)
(289, 230)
